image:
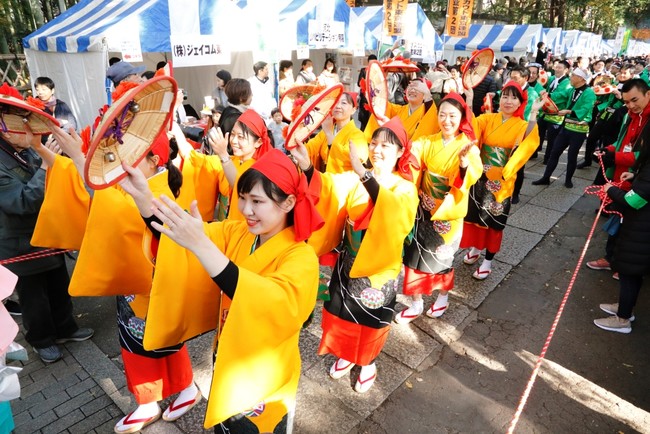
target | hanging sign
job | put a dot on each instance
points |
(459, 17)
(394, 10)
(197, 50)
(326, 34)
(131, 50)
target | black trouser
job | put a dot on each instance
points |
(594, 140)
(542, 126)
(519, 182)
(609, 247)
(46, 306)
(552, 131)
(630, 287)
(565, 139)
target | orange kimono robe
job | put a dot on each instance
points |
(62, 219)
(258, 362)
(373, 237)
(205, 181)
(417, 124)
(504, 150)
(444, 194)
(336, 158)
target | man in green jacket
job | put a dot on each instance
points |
(575, 105)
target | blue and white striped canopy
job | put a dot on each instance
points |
(416, 27)
(513, 40)
(552, 37)
(83, 27)
(295, 16)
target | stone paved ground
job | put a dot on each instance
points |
(461, 373)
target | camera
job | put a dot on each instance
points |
(184, 94)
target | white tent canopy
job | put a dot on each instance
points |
(510, 40)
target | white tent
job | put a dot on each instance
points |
(505, 40)
(419, 34)
(552, 37)
(73, 49)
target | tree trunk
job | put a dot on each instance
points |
(561, 18)
(551, 13)
(37, 13)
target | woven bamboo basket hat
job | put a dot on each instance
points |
(477, 67)
(313, 113)
(376, 89)
(128, 129)
(293, 99)
(15, 113)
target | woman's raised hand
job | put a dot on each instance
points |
(300, 153)
(183, 227)
(355, 160)
(218, 142)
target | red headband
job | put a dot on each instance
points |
(466, 124)
(407, 160)
(161, 148)
(252, 120)
(280, 170)
(519, 113)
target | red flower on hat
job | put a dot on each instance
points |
(85, 140)
(123, 88)
(5, 89)
(302, 97)
(35, 102)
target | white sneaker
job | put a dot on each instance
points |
(614, 324)
(612, 309)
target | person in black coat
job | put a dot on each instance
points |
(632, 252)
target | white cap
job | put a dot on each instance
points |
(583, 73)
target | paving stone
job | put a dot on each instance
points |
(26, 401)
(42, 375)
(534, 218)
(32, 426)
(64, 422)
(558, 197)
(516, 244)
(60, 386)
(100, 402)
(48, 404)
(471, 291)
(318, 411)
(409, 345)
(77, 401)
(20, 418)
(91, 422)
(308, 350)
(80, 387)
(62, 370)
(444, 329)
(390, 374)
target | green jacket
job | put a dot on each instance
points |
(581, 111)
(532, 96)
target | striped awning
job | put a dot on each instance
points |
(507, 39)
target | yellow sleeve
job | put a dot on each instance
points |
(372, 125)
(258, 350)
(184, 301)
(314, 147)
(338, 160)
(428, 124)
(62, 219)
(522, 154)
(454, 205)
(111, 259)
(334, 191)
(392, 219)
(203, 180)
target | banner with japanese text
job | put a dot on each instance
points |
(326, 34)
(394, 10)
(197, 50)
(459, 17)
